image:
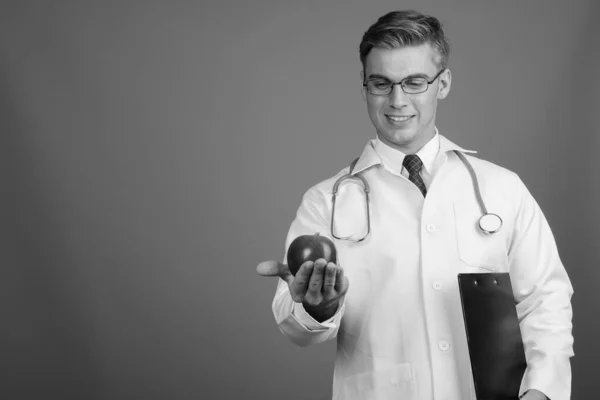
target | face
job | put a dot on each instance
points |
(405, 121)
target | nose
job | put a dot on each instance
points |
(398, 98)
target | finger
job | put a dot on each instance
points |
(341, 282)
(329, 280)
(299, 284)
(275, 268)
(313, 295)
(316, 280)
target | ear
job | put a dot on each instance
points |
(363, 91)
(445, 81)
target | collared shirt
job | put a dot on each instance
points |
(400, 328)
(392, 159)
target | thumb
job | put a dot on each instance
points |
(274, 268)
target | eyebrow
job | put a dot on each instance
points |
(417, 75)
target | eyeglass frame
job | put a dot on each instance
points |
(401, 85)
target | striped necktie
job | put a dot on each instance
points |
(413, 165)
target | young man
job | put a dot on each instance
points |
(392, 301)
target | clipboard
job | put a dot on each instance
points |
(494, 338)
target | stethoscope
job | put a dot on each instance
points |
(489, 223)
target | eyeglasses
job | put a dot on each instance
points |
(410, 85)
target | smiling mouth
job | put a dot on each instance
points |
(397, 118)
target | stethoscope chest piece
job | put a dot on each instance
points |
(490, 223)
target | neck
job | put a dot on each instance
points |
(411, 147)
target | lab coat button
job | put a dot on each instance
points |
(443, 345)
(394, 380)
(431, 228)
(437, 285)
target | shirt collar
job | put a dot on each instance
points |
(393, 158)
(378, 153)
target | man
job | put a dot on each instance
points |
(392, 301)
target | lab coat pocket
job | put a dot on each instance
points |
(395, 382)
(478, 251)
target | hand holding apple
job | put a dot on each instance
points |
(318, 284)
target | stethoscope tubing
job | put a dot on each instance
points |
(475, 181)
(494, 222)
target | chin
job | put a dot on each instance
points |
(402, 137)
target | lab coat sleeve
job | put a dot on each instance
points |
(543, 293)
(293, 321)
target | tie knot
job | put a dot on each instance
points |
(412, 163)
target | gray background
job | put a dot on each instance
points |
(152, 153)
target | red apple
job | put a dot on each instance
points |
(310, 248)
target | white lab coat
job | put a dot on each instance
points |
(400, 329)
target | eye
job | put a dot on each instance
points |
(414, 82)
(380, 84)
